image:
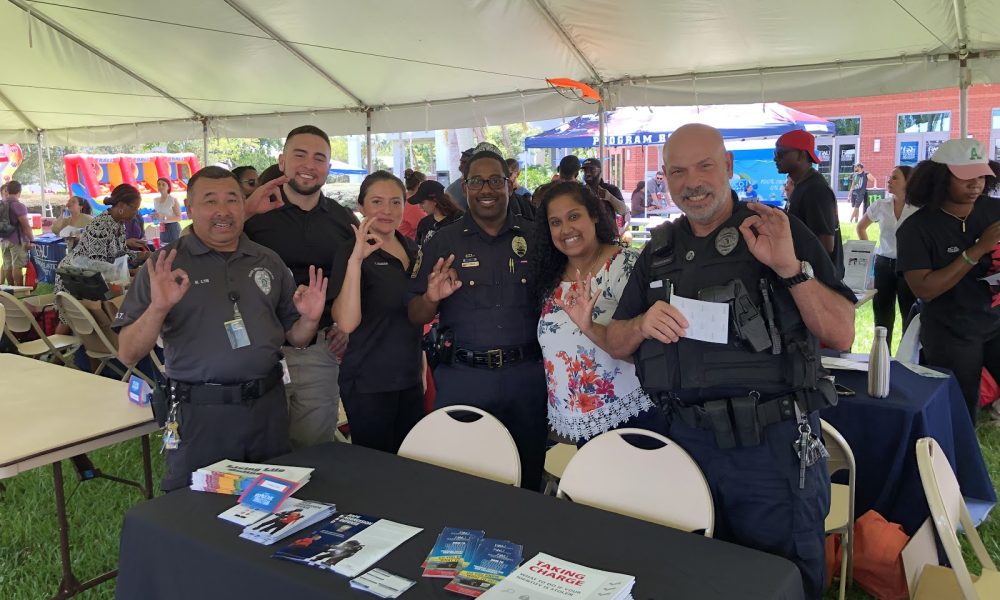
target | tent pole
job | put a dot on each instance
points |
(204, 141)
(368, 139)
(600, 146)
(41, 165)
(964, 75)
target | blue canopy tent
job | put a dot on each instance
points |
(342, 168)
(649, 126)
(749, 129)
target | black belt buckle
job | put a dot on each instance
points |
(494, 359)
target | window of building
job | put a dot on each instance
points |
(847, 126)
(924, 122)
(996, 119)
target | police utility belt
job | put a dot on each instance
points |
(742, 420)
(494, 359)
(212, 393)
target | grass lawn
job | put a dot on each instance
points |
(29, 554)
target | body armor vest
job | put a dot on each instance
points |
(785, 360)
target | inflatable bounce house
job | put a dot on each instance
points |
(93, 176)
(10, 160)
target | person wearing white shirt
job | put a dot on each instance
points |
(168, 212)
(889, 213)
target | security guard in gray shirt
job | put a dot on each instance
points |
(745, 409)
(223, 306)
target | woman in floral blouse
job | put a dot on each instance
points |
(579, 274)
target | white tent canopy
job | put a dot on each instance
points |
(93, 72)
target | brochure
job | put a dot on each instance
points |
(452, 552)
(243, 515)
(295, 515)
(349, 544)
(267, 493)
(232, 477)
(382, 583)
(546, 577)
(493, 561)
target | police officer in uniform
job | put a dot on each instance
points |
(745, 410)
(224, 306)
(474, 272)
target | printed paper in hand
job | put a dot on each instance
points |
(707, 321)
(993, 279)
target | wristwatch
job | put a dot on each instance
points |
(805, 274)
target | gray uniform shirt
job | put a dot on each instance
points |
(196, 346)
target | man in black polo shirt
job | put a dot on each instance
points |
(812, 200)
(610, 194)
(310, 229)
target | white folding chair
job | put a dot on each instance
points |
(96, 344)
(840, 519)
(948, 510)
(662, 485)
(482, 447)
(21, 320)
(556, 459)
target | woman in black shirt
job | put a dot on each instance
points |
(380, 375)
(944, 251)
(440, 208)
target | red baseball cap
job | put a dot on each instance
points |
(800, 140)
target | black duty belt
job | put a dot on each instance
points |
(740, 419)
(214, 393)
(494, 359)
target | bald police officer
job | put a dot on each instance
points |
(746, 409)
(474, 272)
(223, 306)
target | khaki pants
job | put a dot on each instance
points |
(313, 395)
(15, 256)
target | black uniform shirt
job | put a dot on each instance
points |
(634, 301)
(428, 226)
(814, 203)
(383, 353)
(303, 239)
(493, 308)
(196, 346)
(932, 239)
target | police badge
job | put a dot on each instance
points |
(519, 245)
(726, 241)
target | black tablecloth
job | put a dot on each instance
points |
(174, 547)
(883, 434)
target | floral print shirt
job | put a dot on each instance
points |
(589, 392)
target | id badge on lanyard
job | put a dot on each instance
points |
(235, 329)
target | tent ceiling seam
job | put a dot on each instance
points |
(17, 111)
(56, 26)
(294, 51)
(921, 23)
(557, 26)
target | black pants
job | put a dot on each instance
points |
(515, 394)
(892, 289)
(253, 432)
(758, 501)
(381, 420)
(964, 356)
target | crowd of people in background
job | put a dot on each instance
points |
(529, 297)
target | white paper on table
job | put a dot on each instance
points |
(707, 321)
(993, 279)
(843, 364)
(922, 370)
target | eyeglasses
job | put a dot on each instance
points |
(249, 181)
(496, 182)
(778, 153)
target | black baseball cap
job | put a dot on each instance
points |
(427, 190)
(592, 162)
